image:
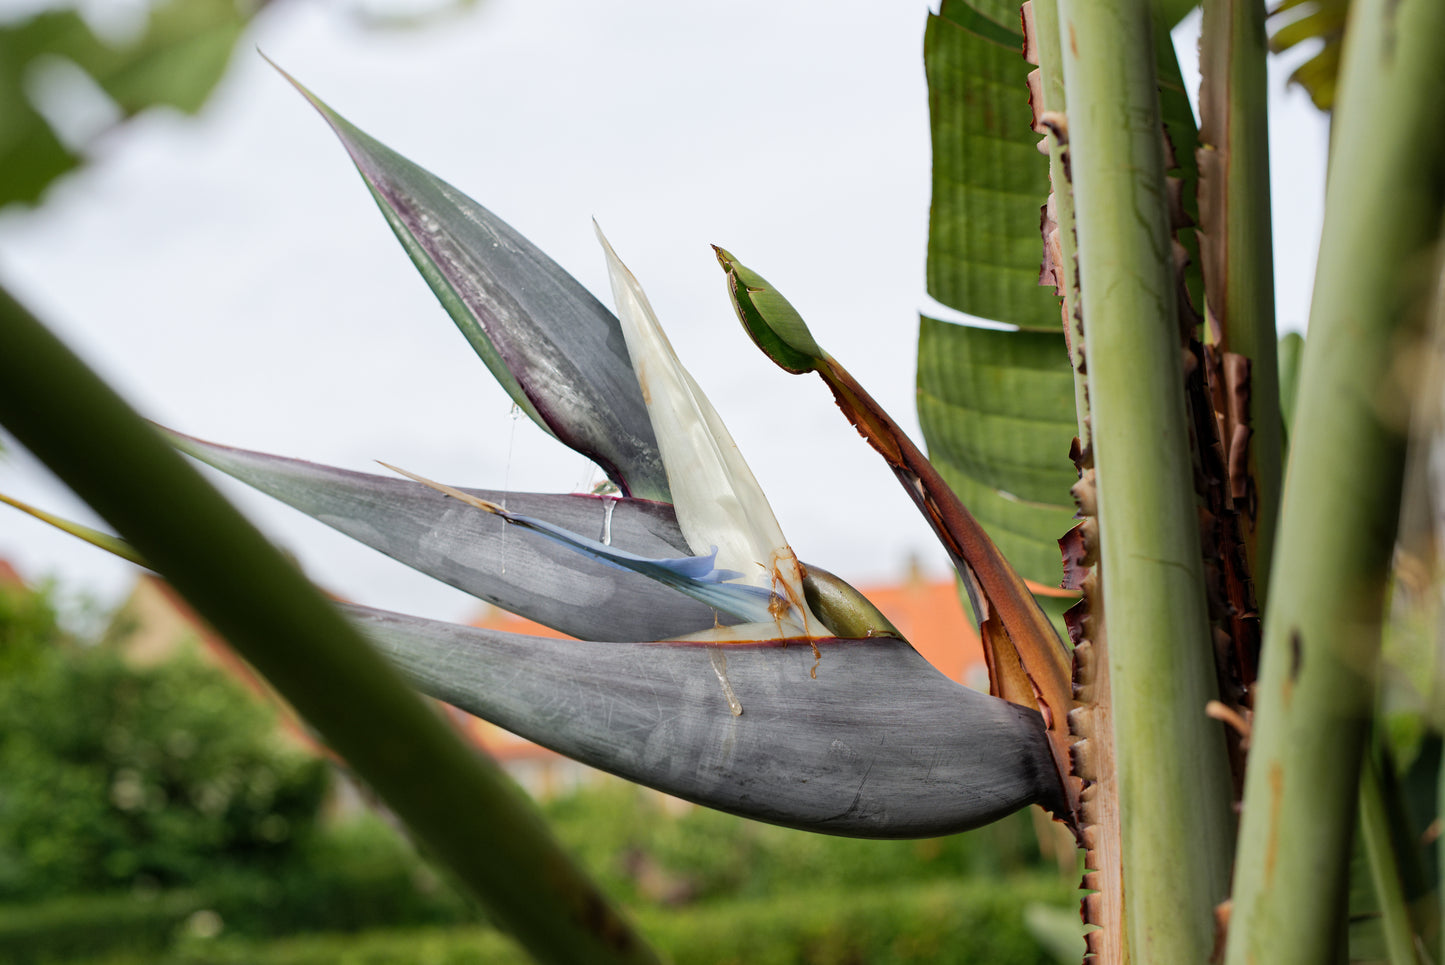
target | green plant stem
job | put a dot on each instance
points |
(1051, 75)
(465, 810)
(1235, 213)
(1374, 825)
(1173, 777)
(1322, 630)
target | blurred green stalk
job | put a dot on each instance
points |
(1315, 695)
(465, 810)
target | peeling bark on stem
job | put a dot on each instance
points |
(1237, 249)
(1172, 773)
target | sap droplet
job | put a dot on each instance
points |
(610, 504)
(720, 667)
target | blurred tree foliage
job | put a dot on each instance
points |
(62, 85)
(121, 776)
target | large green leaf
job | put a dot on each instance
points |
(989, 178)
(997, 410)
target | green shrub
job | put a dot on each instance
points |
(940, 923)
(118, 776)
(28, 629)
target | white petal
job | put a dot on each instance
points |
(717, 499)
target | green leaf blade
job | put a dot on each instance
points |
(989, 180)
(997, 412)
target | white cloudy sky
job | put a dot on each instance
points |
(232, 277)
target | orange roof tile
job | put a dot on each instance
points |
(10, 577)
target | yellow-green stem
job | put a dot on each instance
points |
(1341, 500)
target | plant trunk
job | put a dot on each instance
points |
(1172, 778)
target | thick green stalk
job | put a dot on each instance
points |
(1322, 629)
(1237, 248)
(464, 809)
(1173, 777)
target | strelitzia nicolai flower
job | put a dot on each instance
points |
(711, 663)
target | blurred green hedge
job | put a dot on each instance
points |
(360, 875)
(79, 927)
(940, 924)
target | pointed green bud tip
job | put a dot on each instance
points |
(774, 325)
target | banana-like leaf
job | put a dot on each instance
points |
(554, 347)
(989, 178)
(997, 409)
(478, 553)
(1000, 437)
(766, 731)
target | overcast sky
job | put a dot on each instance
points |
(233, 278)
